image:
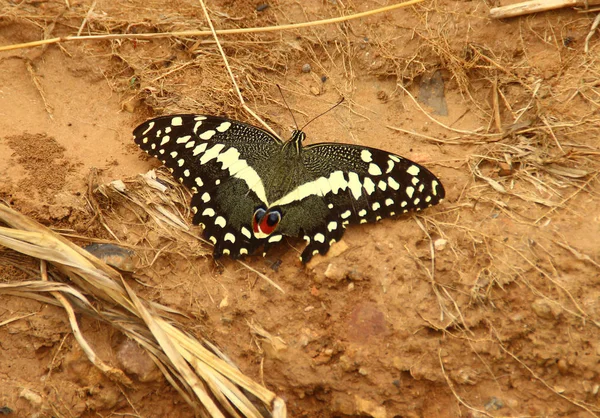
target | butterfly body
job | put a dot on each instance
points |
(251, 189)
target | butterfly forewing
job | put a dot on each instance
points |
(220, 160)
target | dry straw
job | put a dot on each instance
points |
(208, 383)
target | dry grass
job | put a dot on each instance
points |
(205, 380)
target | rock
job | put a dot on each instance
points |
(439, 244)
(493, 404)
(335, 272)
(306, 68)
(544, 309)
(114, 255)
(137, 361)
(563, 366)
(33, 398)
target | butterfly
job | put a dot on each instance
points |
(250, 188)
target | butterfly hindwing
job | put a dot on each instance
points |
(359, 184)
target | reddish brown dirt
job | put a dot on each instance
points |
(507, 325)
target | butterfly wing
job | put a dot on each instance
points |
(220, 160)
(356, 184)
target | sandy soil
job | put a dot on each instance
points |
(502, 320)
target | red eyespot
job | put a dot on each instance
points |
(270, 222)
(264, 223)
(259, 214)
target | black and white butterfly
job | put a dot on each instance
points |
(250, 188)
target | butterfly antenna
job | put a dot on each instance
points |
(318, 116)
(288, 107)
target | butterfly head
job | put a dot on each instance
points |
(265, 221)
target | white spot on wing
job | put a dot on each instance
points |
(208, 212)
(393, 184)
(369, 186)
(205, 197)
(200, 149)
(346, 214)
(213, 240)
(382, 185)
(177, 121)
(375, 206)
(246, 232)
(183, 139)
(416, 202)
(207, 135)
(413, 170)
(229, 237)
(362, 212)
(332, 226)
(198, 181)
(149, 128)
(223, 126)
(355, 185)
(337, 181)
(186, 172)
(320, 237)
(390, 166)
(394, 158)
(211, 153)
(165, 139)
(428, 199)
(434, 185)
(374, 170)
(410, 191)
(366, 156)
(220, 221)
(243, 251)
(389, 202)
(415, 181)
(275, 238)
(180, 162)
(229, 157)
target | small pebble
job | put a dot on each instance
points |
(315, 91)
(306, 68)
(494, 404)
(440, 244)
(114, 255)
(262, 7)
(323, 78)
(350, 287)
(363, 371)
(544, 309)
(563, 366)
